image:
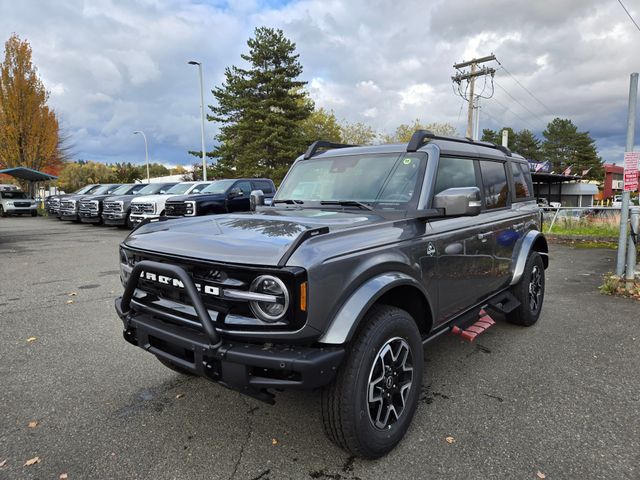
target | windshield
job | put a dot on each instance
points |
(86, 189)
(219, 186)
(13, 195)
(388, 180)
(179, 188)
(103, 189)
(122, 190)
(154, 188)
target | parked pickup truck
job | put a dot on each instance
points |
(150, 207)
(116, 209)
(70, 204)
(222, 196)
(13, 202)
(366, 255)
(52, 202)
(90, 208)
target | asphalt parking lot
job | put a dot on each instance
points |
(560, 399)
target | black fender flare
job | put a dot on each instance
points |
(346, 321)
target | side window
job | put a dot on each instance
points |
(198, 188)
(244, 186)
(264, 186)
(455, 172)
(521, 181)
(494, 182)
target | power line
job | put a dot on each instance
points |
(518, 102)
(524, 88)
(627, 12)
(514, 113)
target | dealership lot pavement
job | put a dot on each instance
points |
(561, 398)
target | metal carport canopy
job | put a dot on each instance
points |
(28, 174)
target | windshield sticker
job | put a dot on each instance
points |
(407, 161)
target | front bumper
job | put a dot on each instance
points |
(68, 216)
(20, 210)
(137, 218)
(247, 367)
(92, 217)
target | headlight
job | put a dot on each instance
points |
(276, 307)
(190, 208)
(10, 204)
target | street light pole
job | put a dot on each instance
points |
(146, 151)
(204, 162)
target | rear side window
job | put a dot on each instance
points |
(198, 188)
(263, 185)
(455, 173)
(494, 182)
(521, 181)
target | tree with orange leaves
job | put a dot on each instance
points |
(29, 131)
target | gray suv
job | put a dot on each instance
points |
(366, 255)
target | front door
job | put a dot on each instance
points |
(240, 195)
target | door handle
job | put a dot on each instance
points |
(518, 226)
(484, 235)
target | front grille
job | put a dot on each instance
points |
(175, 209)
(141, 208)
(22, 204)
(88, 206)
(111, 207)
(224, 277)
(68, 205)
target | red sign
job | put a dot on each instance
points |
(631, 160)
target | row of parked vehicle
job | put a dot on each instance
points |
(130, 204)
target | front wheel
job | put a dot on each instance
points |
(2, 212)
(530, 292)
(369, 406)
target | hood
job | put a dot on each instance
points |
(203, 197)
(264, 238)
(150, 198)
(96, 197)
(121, 198)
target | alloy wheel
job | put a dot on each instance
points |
(390, 381)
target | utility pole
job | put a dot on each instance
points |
(624, 210)
(470, 76)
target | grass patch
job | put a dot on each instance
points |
(617, 286)
(585, 229)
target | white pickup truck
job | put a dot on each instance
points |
(152, 206)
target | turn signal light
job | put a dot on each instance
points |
(303, 296)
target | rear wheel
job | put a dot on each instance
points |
(370, 404)
(174, 367)
(530, 292)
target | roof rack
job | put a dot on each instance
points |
(318, 144)
(419, 137)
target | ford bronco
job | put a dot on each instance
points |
(365, 255)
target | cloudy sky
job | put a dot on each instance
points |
(117, 66)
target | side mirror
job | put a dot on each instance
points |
(256, 199)
(236, 192)
(464, 201)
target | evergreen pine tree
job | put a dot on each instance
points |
(527, 145)
(261, 109)
(565, 146)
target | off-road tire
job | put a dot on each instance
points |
(174, 367)
(531, 283)
(345, 408)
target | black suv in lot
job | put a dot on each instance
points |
(366, 255)
(222, 196)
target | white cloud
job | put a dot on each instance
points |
(114, 67)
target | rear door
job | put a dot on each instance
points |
(501, 226)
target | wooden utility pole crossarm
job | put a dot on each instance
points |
(471, 76)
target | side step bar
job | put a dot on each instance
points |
(480, 326)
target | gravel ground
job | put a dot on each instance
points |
(561, 398)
